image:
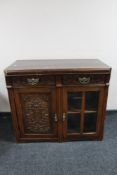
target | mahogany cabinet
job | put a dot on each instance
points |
(58, 100)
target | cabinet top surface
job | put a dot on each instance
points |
(58, 65)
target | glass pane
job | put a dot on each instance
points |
(92, 99)
(74, 101)
(90, 122)
(73, 124)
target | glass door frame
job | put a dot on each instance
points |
(82, 134)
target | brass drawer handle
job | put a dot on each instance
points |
(64, 117)
(84, 80)
(32, 81)
(55, 117)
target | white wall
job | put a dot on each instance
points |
(32, 29)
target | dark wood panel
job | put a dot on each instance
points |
(70, 65)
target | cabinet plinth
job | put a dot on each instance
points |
(58, 100)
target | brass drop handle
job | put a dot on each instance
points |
(55, 117)
(84, 80)
(64, 117)
(32, 81)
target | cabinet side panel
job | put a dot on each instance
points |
(14, 114)
(103, 112)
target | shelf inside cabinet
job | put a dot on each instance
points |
(90, 111)
(73, 112)
(76, 98)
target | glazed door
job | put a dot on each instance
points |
(36, 113)
(82, 112)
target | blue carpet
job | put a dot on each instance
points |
(71, 158)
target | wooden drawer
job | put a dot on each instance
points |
(32, 80)
(85, 79)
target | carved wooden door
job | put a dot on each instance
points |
(82, 112)
(36, 113)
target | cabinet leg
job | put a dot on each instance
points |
(100, 138)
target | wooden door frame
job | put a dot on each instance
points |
(83, 89)
(20, 114)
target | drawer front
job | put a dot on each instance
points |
(33, 81)
(85, 79)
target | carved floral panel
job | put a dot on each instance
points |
(36, 113)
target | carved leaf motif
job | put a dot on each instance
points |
(36, 113)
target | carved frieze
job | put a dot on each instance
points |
(88, 78)
(33, 81)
